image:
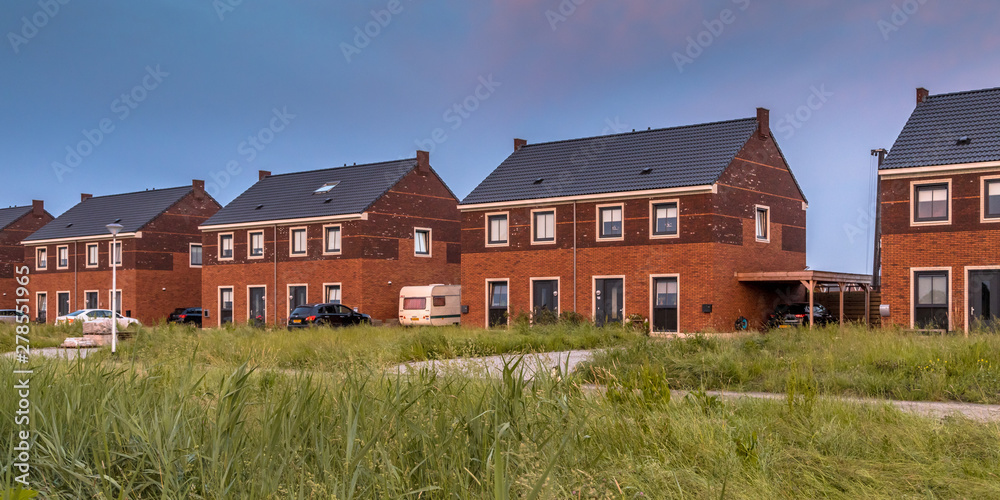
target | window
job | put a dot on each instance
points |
(116, 253)
(544, 226)
(610, 222)
(414, 303)
(41, 258)
(931, 203)
(92, 255)
(298, 241)
(440, 301)
(763, 223)
(931, 301)
(422, 242)
(665, 219)
(496, 315)
(991, 199)
(62, 257)
(116, 301)
(225, 305)
(326, 188)
(496, 229)
(332, 244)
(42, 306)
(256, 246)
(225, 247)
(195, 251)
(331, 293)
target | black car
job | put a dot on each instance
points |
(185, 315)
(789, 315)
(308, 315)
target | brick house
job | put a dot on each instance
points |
(940, 209)
(156, 256)
(653, 223)
(16, 224)
(355, 234)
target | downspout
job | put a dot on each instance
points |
(76, 248)
(274, 248)
(575, 310)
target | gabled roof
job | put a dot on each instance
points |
(931, 136)
(293, 196)
(694, 155)
(132, 210)
(10, 215)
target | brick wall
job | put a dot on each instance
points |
(12, 253)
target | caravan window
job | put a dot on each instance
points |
(414, 304)
(439, 301)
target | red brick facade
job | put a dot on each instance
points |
(155, 275)
(12, 251)
(376, 259)
(716, 238)
(967, 242)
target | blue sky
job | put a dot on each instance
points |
(162, 92)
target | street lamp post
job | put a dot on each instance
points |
(114, 229)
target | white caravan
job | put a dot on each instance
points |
(434, 305)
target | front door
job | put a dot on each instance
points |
(545, 298)
(62, 303)
(258, 305)
(498, 304)
(91, 300)
(609, 301)
(984, 299)
(296, 297)
(665, 305)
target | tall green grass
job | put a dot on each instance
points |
(853, 361)
(112, 430)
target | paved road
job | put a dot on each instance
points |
(567, 361)
(58, 353)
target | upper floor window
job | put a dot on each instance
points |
(256, 244)
(544, 226)
(41, 258)
(665, 219)
(610, 222)
(225, 246)
(931, 203)
(422, 242)
(92, 255)
(62, 257)
(195, 255)
(763, 224)
(991, 199)
(497, 229)
(116, 253)
(333, 239)
(299, 241)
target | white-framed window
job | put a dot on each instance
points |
(331, 293)
(298, 241)
(991, 199)
(664, 219)
(92, 256)
(930, 305)
(422, 242)
(762, 223)
(115, 300)
(497, 229)
(62, 257)
(194, 251)
(115, 251)
(543, 226)
(332, 240)
(255, 246)
(41, 258)
(226, 246)
(610, 222)
(930, 202)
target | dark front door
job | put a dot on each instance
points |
(296, 297)
(62, 304)
(91, 300)
(498, 304)
(665, 305)
(609, 301)
(546, 301)
(258, 305)
(984, 299)
(226, 305)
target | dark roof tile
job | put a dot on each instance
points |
(10, 215)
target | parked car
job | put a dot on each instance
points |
(11, 316)
(791, 315)
(92, 314)
(185, 315)
(335, 315)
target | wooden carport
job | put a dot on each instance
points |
(812, 279)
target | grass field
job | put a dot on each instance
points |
(854, 361)
(178, 429)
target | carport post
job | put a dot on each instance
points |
(811, 285)
(868, 305)
(841, 287)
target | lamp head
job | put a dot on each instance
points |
(114, 228)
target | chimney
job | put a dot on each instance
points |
(199, 188)
(423, 162)
(922, 95)
(84, 197)
(519, 143)
(37, 208)
(763, 122)
(262, 174)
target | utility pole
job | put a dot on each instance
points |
(877, 259)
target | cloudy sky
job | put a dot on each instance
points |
(105, 96)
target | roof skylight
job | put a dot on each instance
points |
(325, 188)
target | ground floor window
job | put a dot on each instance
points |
(497, 315)
(665, 304)
(115, 299)
(225, 305)
(42, 307)
(332, 294)
(931, 300)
